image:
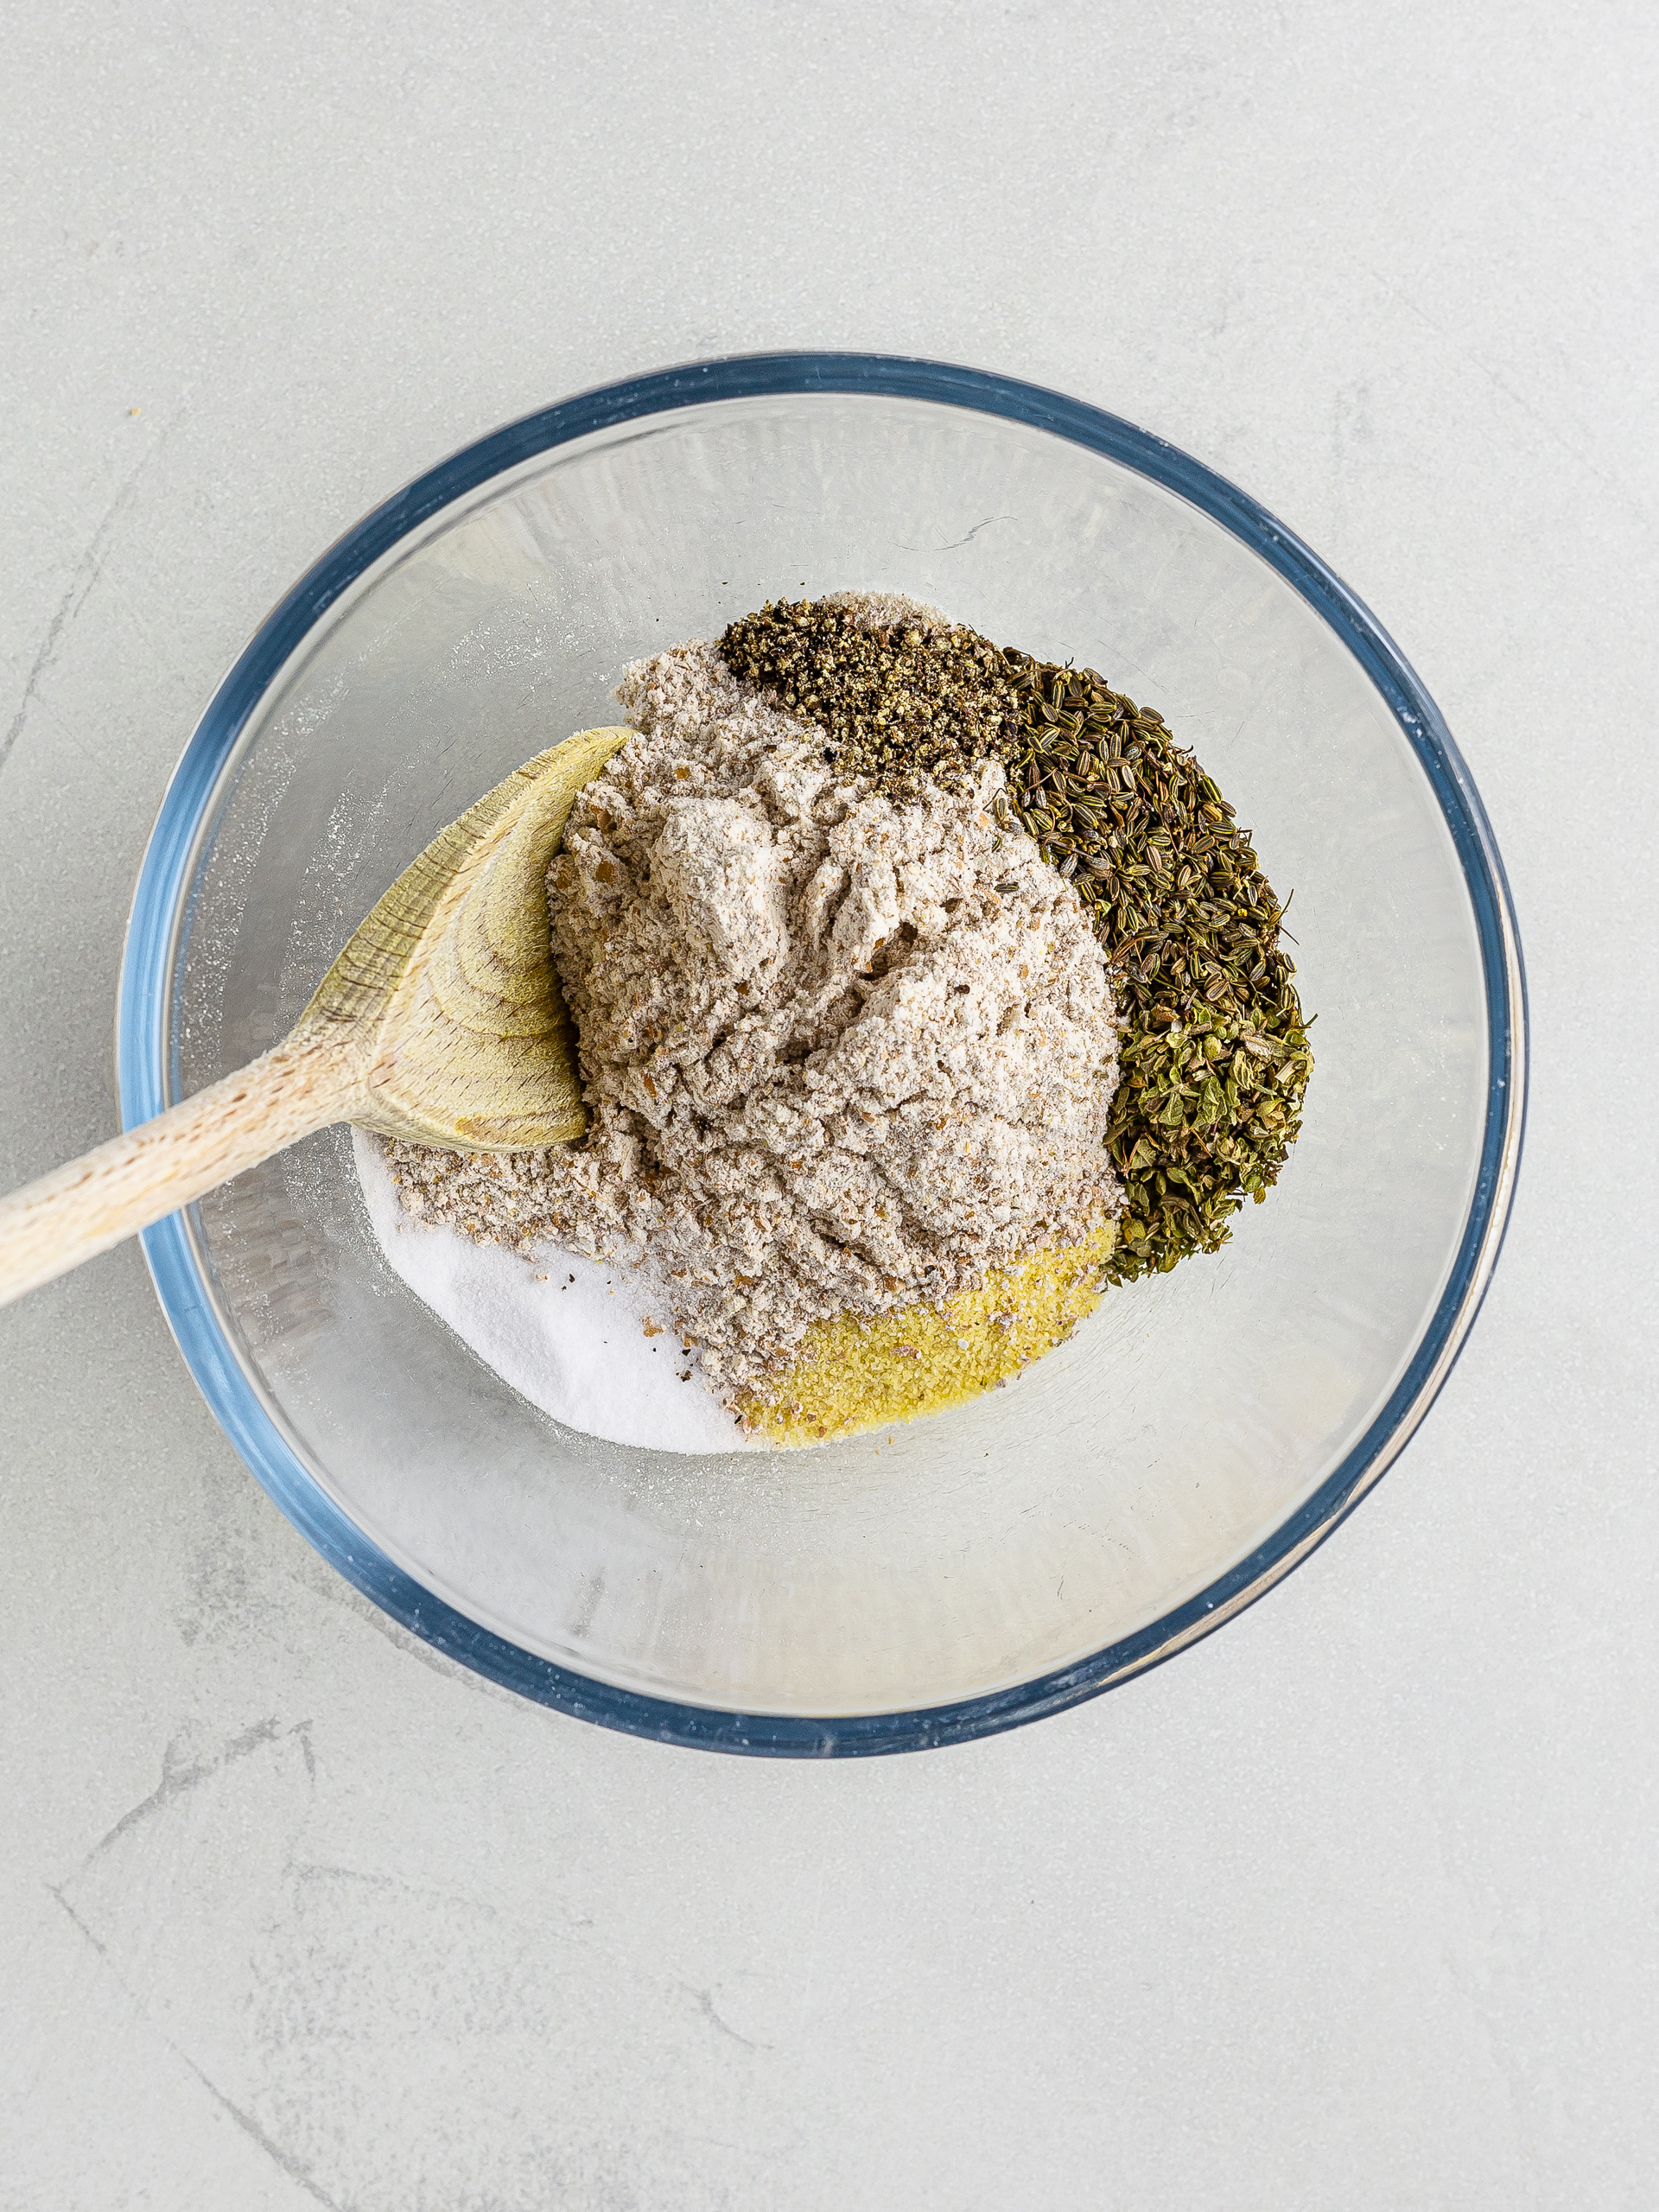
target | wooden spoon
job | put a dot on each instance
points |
(441, 1021)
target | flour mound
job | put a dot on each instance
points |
(841, 1055)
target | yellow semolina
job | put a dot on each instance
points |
(851, 1374)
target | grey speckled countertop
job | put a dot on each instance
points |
(1351, 1905)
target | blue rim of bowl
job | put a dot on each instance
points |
(149, 1079)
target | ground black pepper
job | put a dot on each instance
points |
(899, 704)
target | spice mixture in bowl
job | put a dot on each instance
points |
(849, 1030)
(937, 1024)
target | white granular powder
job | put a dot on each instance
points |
(586, 1341)
(841, 1055)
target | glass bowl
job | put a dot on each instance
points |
(1202, 1432)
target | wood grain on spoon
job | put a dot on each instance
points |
(441, 1021)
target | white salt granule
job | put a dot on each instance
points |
(568, 1333)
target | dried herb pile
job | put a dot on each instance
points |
(1215, 1058)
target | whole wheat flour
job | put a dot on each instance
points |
(841, 1055)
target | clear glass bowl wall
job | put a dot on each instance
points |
(1191, 1417)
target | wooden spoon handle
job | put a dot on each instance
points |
(51, 1225)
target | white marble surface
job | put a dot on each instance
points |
(1353, 1904)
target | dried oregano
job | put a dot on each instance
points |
(1215, 1057)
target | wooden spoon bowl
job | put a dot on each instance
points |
(441, 1021)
